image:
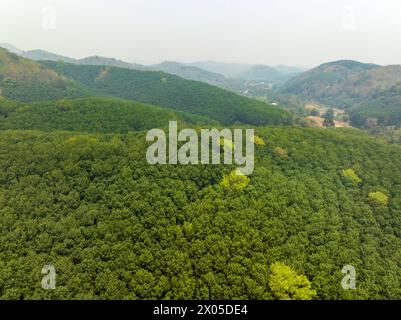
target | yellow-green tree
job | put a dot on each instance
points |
(286, 284)
(235, 180)
(378, 197)
(258, 141)
(351, 175)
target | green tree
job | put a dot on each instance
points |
(286, 284)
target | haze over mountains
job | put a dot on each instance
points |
(225, 75)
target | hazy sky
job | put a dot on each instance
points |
(293, 32)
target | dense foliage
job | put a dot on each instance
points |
(343, 84)
(30, 91)
(89, 114)
(384, 110)
(76, 192)
(115, 227)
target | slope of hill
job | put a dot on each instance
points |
(85, 115)
(344, 84)
(369, 93)
(383, 110)
(226, 69)
(26, 80)
(102, 61)
(173, 92)
(263, 73)
(42, 55)
(192, 73)
(9, 47)
(15, 67)
(288, 70)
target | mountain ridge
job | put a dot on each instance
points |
(224, 75)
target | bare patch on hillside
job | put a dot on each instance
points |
(103, 74)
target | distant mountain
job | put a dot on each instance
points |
(26, 80)
(226, 69)
(253, 75)
(10, 48)
(102, 61)
(250, 72)
(263, 73)
(289, 70)
(170, 91)
(42, 55)
(192, 73)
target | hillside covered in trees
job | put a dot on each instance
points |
(382, 110)
(117, 228)
(370, 93)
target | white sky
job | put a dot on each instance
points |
(293, 32)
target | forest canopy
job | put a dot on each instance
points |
(116, 227)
